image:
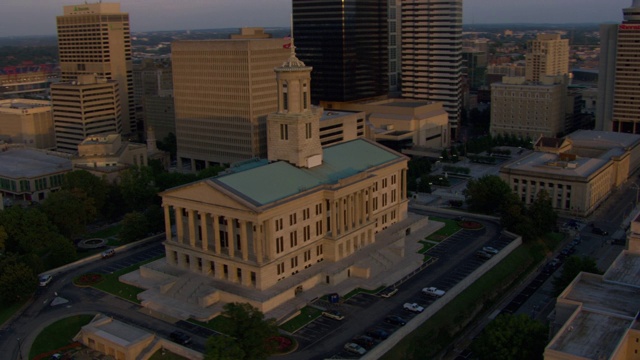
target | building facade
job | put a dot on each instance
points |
(85, 107)
(346, 42)
(578, 172)
(618, 102)
(223, 91)
(95, 39)
(263, 226)
(547, 55)
(28, 122)
(527, 109)
(432, 54)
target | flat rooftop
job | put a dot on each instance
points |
(268, 183)
(407, 104)
(119, 332)
(334, 114)
(29, 163)
(596, 295)
(602, 139)
(591, 335)
(626, 270)
(539, 162)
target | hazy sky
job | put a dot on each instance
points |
(37, 17)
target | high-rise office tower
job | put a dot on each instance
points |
(84, 107)
(223, 92)
(548, 55)
(618, 103)
(95, 39)
(346, 43)
(432, 54)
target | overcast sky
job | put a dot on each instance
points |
(37, 17)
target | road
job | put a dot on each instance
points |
(39, 313)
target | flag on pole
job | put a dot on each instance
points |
(288, 45)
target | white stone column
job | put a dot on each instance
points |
(204, 226)
(259, 243)
(179, 224)
(232, 238)
(216, 233)
(244, 244)
(167, 223)
(192, 227)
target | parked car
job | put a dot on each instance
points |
(395, 320)
(599, 231)
(483, 255)
(44, 280)
(180, 338)
(433, 292)
(365, 341)
(333, 314)
(388, 292)
(413, 307)
(354, 348)
(378, 334)
(108, 253)
(490, 250)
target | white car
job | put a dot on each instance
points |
(413, 307)
(490, 250)
(354, 348)
(333, 314)
(433, 291)
(44, 280)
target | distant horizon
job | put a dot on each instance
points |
(38, 18)
(287, 26)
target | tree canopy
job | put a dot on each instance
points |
(487, 194)
(70, 211)
(511, 337)
(573, 265)
(248, 335)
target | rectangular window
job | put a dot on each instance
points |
(393, 179)
(384, 183)
(278, 224)
(384, 200)
(318, 209)
(393, 196)
(318, 250)
(307, 255)
(307, 128)
(318, 228)
(293, 237)
(294, 262)
(280, 268)
(284, 132)
(307, 233)
(305, 214)
(279, 244)
(292, 219)
(375, 203)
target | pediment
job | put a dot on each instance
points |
(205, 193)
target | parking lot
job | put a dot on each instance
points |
(459, 248)
(119, 264)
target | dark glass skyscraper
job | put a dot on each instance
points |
(345, 41)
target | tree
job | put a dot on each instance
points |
(154, 215)
(92, 186)
(134, 227)
(170, 144)
(61, 252)
(211, 171)
(3, 239)
(70, 211)
(17, 281)
(137, 187)
(571, 268)
(541, 213)
(487, 194)
(511, 337)
(248, 330)
(28, 230)
(222, 347)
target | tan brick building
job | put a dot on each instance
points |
(84, 107)
(28, 122)
(223, 91)
(95, 39)
(547, 55)
(257, 231)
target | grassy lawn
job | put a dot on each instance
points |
(446, 324)
(111, 284)
(307, 315)
(356, 291)
(425, 247)
(450, 227)
(58, 334)
(105, 233)
(426, 258)
(215, 324)
(7, 312)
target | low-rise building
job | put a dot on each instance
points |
(30, 174)
(28, 122)
(596, 316)
(578, 172)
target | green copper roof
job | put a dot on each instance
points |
(268, 183)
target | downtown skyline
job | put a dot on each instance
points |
(152, 15)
